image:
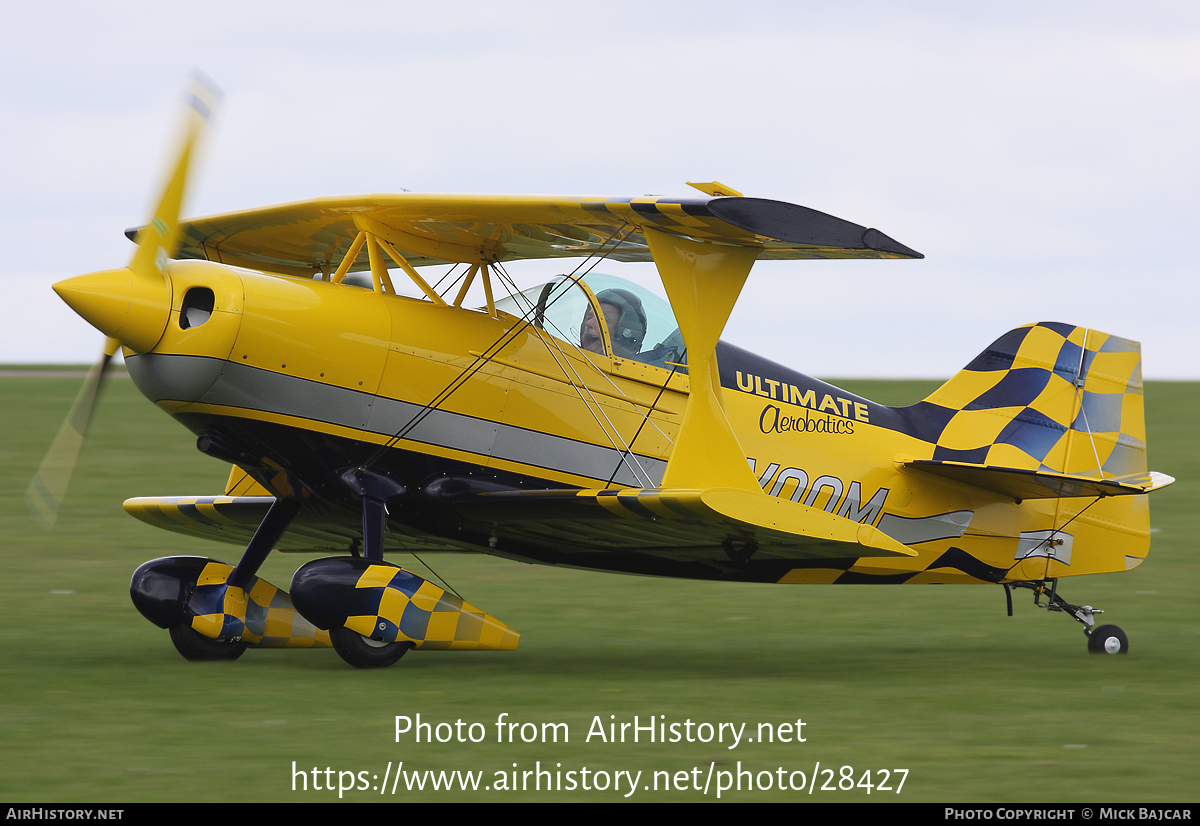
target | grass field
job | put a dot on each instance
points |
(97, 706)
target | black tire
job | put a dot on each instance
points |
(1108, 639)
(363, 652)
(196, 647)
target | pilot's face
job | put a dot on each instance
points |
(589, 334)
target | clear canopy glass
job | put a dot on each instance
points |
(640, 324)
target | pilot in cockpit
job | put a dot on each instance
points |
(626, 320)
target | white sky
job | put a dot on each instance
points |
(1044, 156)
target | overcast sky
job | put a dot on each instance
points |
(1043, 156)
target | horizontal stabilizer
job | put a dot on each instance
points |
(1030, 484)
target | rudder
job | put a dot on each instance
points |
(1046, 397)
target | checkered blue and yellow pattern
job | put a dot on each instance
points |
(1045, 397)
(261, 614)
(407, 607)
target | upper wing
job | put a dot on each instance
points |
(311, 236)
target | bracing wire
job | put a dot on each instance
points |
(1053, 533)
(436, 575)
(562, 334)
(661, 390)
(503, 340)
(611, 432)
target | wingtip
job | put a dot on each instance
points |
(875, 240)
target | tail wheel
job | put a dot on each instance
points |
(1108, 639)
(364, 652)
(196, 647)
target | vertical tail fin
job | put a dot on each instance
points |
(1045, 398)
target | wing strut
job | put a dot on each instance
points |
(703, 282)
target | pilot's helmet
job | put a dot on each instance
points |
(630, 330)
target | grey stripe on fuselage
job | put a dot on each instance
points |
(910, 531)
(239, 385)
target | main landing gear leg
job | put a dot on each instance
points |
(195, 646)
(373, 490)
(1103, 639)
(261, 544)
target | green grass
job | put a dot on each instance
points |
(97, 706)
(56, 368)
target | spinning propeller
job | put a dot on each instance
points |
(130, 306)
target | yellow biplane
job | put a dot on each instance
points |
(584, 422)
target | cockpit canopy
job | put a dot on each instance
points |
(638, 324)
